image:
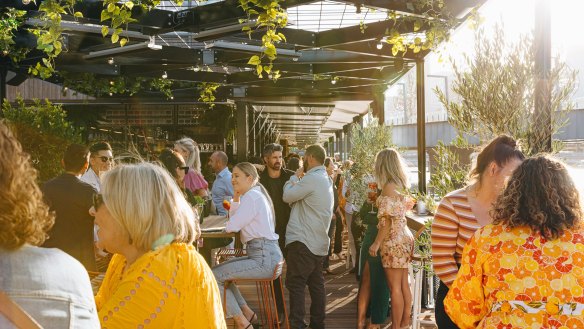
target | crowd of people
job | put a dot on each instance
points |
(508, 247)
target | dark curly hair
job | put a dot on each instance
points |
(541, 195)
(24, 217)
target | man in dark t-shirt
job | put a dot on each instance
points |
(273, 179)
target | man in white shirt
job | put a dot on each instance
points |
(101, 160)
(310, 193)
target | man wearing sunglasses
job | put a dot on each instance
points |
(101, 160)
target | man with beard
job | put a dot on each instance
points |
(273, 178)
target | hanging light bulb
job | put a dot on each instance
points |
(171, 97)
(380, 44)
(110, 61)
(164, 75)
(111, 94)
(196, 68)
(334, 81)
(25, 2)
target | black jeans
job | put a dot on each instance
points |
(305, 268)
(442, 319)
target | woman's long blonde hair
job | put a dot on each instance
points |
(390, 167)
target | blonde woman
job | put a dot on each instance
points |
(394, 238)
(156, 277)
(252, 214)
(194, 180)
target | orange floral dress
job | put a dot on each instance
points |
(398, 245)
(515, 278)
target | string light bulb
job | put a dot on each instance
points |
(164, 75)
(196, 68)
(380, 44)
(111, 61)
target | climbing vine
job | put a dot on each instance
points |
(432, 16)
(270, 17)
(89, 84)
(49, 34)
(10, 20)
(207, 92)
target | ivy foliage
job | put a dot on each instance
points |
(44, 131)
(269, 16)
(497, 92)
(90, 84)
(10, 21)
(207, 92)
(434, 18)
(49, 34)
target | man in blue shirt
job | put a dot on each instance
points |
(222, 187)
(311, 195)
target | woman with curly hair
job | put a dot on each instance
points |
(463, 211)
(526, 270)
(51, 286)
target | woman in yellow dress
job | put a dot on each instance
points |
(156, 277)
(394, 238)
(526, 270)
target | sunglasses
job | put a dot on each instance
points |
(97, 200)
(186, 169)
(105, 159)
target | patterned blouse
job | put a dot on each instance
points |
(515, 278)
(171, 287)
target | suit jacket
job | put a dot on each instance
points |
(71, 200)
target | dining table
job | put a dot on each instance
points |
(213, 232)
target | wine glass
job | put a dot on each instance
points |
(372, 195)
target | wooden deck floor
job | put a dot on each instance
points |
(342, 288)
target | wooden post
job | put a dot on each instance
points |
(543, 62)
(242, 130)
(421, 124)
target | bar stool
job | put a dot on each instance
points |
(265, 288)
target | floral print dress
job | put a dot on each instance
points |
(398, 245)
(515, 278)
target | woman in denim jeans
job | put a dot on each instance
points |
(252, 214)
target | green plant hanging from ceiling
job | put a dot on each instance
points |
(49, 33)
(270, 18)
(207, 92)
(90, 84)
(10, 21)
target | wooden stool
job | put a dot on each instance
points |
(265, 288)
(224, 254)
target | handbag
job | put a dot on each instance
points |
(16, 314)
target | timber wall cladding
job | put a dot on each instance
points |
(35, 88)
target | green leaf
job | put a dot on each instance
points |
(123, 42)
(111, 7)
(254, 60)
(78, 14)
(104, 30)
(105, 15)
(417, 25)
(129, 5)
(115, 37)
(259, 70)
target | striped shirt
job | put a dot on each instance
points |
(453, 225)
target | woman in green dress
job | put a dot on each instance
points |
(373, 299)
